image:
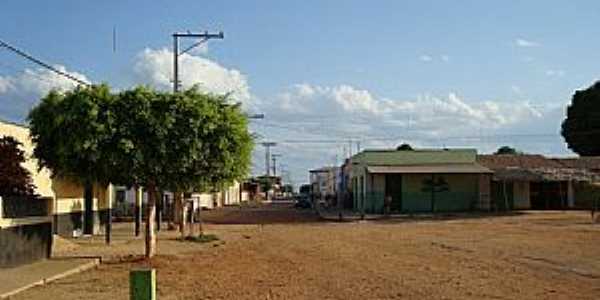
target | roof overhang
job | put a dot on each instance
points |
(430, 169)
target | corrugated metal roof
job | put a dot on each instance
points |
(416, 157)
(431, 169)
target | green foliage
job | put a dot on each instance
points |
(70, 131)
(15, 180)
(305, 189)
(184, 141)
(266, 183)
(202, 238)
(581, 128)
(404, 147)
(507, 150)
(287, 188)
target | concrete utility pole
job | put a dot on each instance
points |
(274, 158)
(203, 37)
(268, 146)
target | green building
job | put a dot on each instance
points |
(421, 180)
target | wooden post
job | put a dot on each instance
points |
(142, 284)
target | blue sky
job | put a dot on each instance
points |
(349, 62)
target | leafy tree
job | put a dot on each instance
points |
(405, 147)
(188, 141)
(507, 150)
(70, 131)
(305, 189)
(581, 128)
(15, 180)
(287, 188)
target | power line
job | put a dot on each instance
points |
(41, 63)
(37, 76)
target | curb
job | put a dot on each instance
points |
(90, 265)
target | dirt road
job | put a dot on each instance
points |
(280, 254)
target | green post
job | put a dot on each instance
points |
(142, 284)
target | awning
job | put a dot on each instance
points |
(431, 169)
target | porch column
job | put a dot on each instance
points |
(570, 194)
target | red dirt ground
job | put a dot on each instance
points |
(280, 253)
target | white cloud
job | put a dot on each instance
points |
(445, 58)
(526, 43)
(155, 67)
(555, 73)
(425, 58)
(341, 112)
(20, 92)
(516, 89)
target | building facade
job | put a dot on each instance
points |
(71, 214)
(412, 181)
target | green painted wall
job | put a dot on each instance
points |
(462, 194)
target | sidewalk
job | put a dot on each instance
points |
(15, 280)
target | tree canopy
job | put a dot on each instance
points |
(507, 150)
(186, 141)
(581, 128)
(71, 130)
(404, 147)
(15, 180)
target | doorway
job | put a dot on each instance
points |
(393, 188)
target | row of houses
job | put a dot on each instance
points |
(443, 180)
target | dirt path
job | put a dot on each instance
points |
(534, 256)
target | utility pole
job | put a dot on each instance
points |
(203, 37)
(268, 146)
(274, 158)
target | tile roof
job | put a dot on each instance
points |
(524, 161)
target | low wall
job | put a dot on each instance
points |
(25, 234)
(24, 240)
(67, 223)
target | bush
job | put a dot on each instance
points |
(202, 238)
(15, 180)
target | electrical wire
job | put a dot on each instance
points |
(43, 64)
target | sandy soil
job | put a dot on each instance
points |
(278, 253)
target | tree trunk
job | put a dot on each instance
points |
(108, 225)
(180, 212)
(88, 208)
(138, 209)
(150, 215)
(159, 209)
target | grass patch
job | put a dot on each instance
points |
(203, 238)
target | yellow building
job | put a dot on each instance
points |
(70, 213)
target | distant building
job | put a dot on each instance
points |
(531, 181)
(422, 180)
(325, 183)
